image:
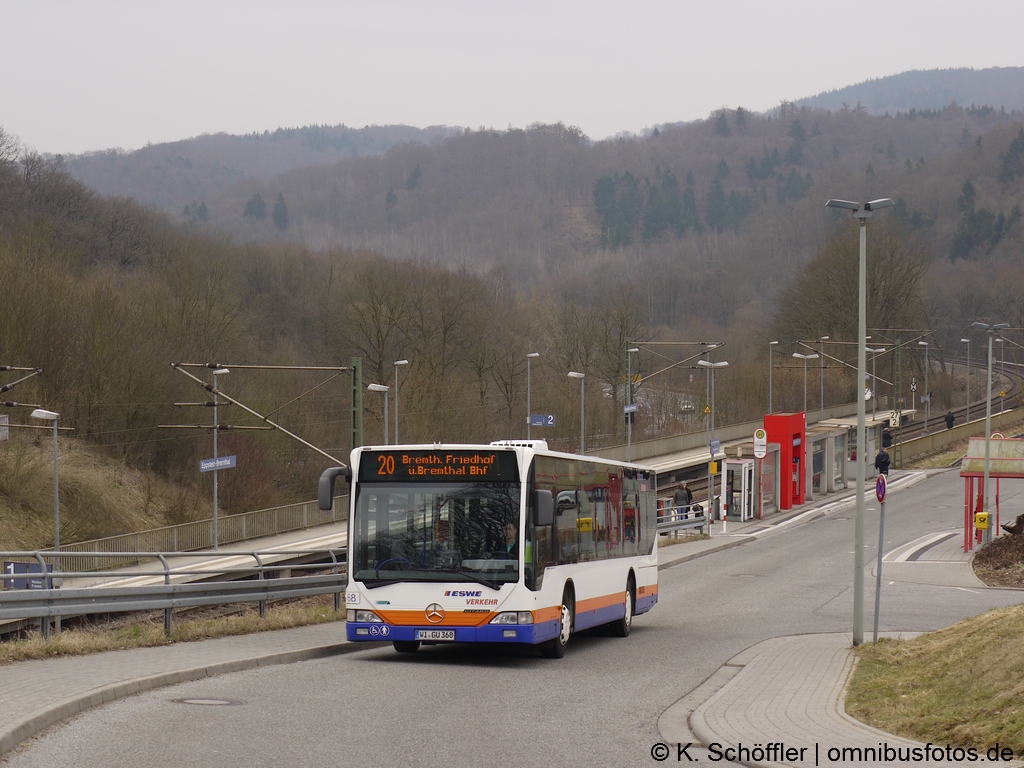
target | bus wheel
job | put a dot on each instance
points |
(406, 646)
(555, 648)
(621, 627)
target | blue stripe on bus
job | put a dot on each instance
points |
(489, 633)
(644, 604)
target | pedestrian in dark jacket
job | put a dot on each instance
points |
(886, 438)
(882, 462)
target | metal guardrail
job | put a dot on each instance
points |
(672, 519)
(198, 535)
(168, 594)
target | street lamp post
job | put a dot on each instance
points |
(991, 331)
(968, 343)
(216, 428)
(805, 358)
(821, 371)
(770, 345)
(629, 398)
(861, 212)
(529, 413)
(44, 415)
(575, 375)
(711, 368)
(397, 363)
(927, 393)
(382, 388)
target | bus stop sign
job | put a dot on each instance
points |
(880, 488)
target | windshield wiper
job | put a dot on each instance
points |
(381, 582)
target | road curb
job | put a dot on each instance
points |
(35, 722)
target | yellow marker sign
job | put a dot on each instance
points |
(1002, 393)
(707, 409)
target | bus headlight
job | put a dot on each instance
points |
(364, 617)
(513, 617)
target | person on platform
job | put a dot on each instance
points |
(681, 500)
(886, 438)
(882, 461)
(950, 419)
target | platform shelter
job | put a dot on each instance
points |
(1006, 461)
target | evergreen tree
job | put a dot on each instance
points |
(794, 186)
(690, 217)
(722, 125)
(717, 214)
(203, 213)
(664, 206)
(1011, 163)
(413, 182)
(256, 208)
(280, 214)
(722, 170)
(740, 120)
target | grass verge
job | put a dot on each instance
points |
(147, 630)
(963, 685)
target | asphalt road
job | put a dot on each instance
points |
(599, 706)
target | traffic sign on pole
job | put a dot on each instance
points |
(760, 443)
(880, 488)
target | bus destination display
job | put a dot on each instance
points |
(438, 466)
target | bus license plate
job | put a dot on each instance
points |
(436, 634)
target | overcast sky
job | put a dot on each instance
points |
(78, 76)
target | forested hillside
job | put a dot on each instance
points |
(464, 254)
(182, 173)
(924, 90)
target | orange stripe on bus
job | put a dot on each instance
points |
(596, 603)
(451, 619)
(547, 614)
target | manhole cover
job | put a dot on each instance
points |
(208, 702)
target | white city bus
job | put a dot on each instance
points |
(434, 551)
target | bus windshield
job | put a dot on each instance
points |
(436, 532)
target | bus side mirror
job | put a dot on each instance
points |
(545, 503)
(325, 492)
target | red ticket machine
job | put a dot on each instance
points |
(789, 430)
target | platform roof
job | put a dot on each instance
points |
(1006, 458)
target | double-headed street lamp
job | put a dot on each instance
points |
(529, 413)
(968, 343)
(991, 331)
(397, 363)
(770, 345)
(927, 393)
(805, 358)
(382, 388)
(861, 212)
(580, 376)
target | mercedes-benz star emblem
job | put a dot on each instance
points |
(434, 613)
